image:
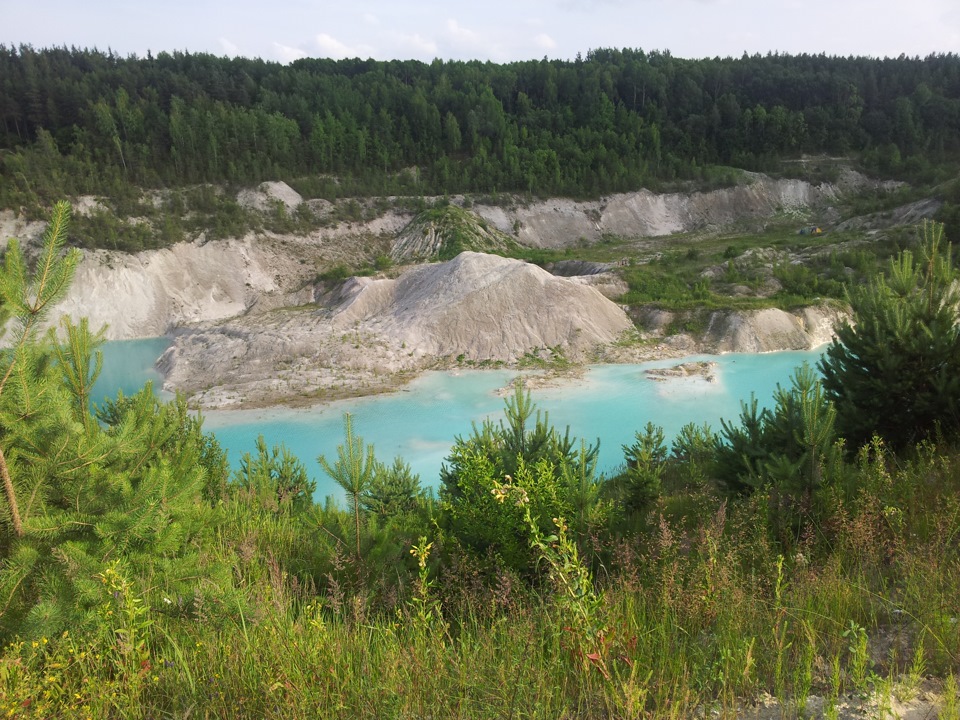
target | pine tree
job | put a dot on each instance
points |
(526, 451)
(894, 369)
(353, 471)
(27, 298)
(81, 495)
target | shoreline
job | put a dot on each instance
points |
(677, 367)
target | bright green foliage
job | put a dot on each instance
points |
(394, 490)
(533, 457)
(353, 471)
(646, 461)
(276, 480)
(128, 491)
(787, 447)
(692, 451)
(25, 301)
(505, 443)
(80, 364)
(894, 369)
(386, 510)
(27, 296)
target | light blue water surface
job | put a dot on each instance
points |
(127, 366)
(421, 421)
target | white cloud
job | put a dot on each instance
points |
(287, 54)
(460, 34)
(419, 45)
(332, 48)
(228, 47)
(544, 41)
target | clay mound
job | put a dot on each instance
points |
(484, 307)
(267, 195)
(442, 233)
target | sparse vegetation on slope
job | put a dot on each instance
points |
(445, 231)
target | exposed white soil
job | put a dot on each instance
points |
(152, 293)
(252, 325)
(475, 307)
(267, 195)
(560, 222)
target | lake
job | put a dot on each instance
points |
(421, 421)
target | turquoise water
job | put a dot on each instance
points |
(420, 422)
(127, 366)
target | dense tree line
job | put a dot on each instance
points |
(89, 121)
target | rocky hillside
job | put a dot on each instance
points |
(156, 292)
(475, 307)
(254, 324)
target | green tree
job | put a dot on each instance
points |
(80, 364)
(646, 461)
(394, 490)
(353, 471)
(526, 452)
(787, 447)
(893, 369)
(276, 479)
(83, 495)
(26, 299)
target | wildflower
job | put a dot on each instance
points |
(522, 498)
(421, 552)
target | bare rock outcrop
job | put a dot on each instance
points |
(443, 232)
(910, 214)
(559, 222)
(267, 194)
(151, 293)
(485, 307)
(769, 330)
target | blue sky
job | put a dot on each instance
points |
(496, 30)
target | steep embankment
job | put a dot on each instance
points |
(474, 307)
(560, 223)
(155, 292)
(152, 293)
(443, 232)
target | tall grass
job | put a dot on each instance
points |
(704, 614)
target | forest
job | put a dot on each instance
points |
(78, 121)
(800, 560)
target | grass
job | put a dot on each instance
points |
(736, 270)
(705, 612)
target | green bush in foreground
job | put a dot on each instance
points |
(894, 370)
(693, 619)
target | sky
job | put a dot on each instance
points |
(494, 30)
